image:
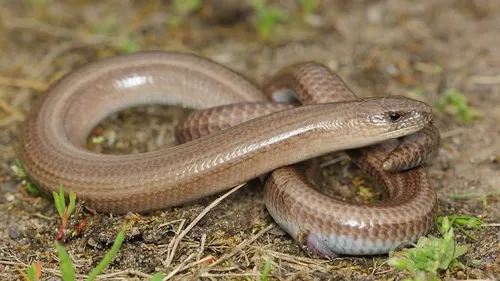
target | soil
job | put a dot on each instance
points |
(418, 49)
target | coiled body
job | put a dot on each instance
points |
(52, 144)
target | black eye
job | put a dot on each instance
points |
(394, 116)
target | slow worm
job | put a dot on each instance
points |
(53, 137)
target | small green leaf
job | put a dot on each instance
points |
(438, 69)
(460, 250)
(128, 46)
(476, 262)
(61, 195)
(468, 222)
(399, 263)
(445, 224)
(309, 6)
(57, 202)
(97, 140)
(181, 8)
(67, 269)
(267, 269)
(32, 272)
(157, 277)
(267, 17)
(72, 202)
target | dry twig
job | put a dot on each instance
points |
(171, 253)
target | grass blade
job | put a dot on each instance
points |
(109, 255)
(67, 269)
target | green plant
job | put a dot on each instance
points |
(109, 255)
(267, 269)
(438, 69)
(59, 198)
(462, 223)
(18, 170)
(68, 270)
(267, 17)
(430, 255)
(181, 8)
(454, 103)
(60, 201)
(33, 273)
(63, 210)
(157, 277)
(127, 45)
(308, 7)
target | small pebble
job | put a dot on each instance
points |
(495, 158)
(14, 233)
(91, 242)
(135, 231)
(9, 197)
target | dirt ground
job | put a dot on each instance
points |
(418, 49)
